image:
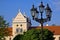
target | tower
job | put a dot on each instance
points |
(20, 23)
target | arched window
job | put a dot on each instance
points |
(20, 29)
(17, 30)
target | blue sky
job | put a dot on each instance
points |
(9, 9)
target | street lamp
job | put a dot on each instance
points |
(35, 14)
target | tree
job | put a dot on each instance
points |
(3, 28)
(18, 37)
(35, 34)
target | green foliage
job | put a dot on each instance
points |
(47, 35)
(31, 35)
(3, 26)
(35, 34)
(18, 37)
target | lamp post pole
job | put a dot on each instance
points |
(35, 14)
(41, 27)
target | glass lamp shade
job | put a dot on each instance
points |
(36, 15)
(34, 12)
(48, 14)
(41, 7)
(48, 11)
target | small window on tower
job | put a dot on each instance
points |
(21, 25)
(17, 25)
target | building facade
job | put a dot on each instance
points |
(21, 23)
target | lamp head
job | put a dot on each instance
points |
(34, 12)
(41, 7)
(48, 12)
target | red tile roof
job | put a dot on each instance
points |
(9, 31)
(54, 29)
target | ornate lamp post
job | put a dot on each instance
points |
(35, 14)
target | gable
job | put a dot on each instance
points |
(19, 18)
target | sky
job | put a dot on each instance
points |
(9, 9)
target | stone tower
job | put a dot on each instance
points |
(20, 23)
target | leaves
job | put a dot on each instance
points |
(18, 37)
(3, 27)
(35, 34)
